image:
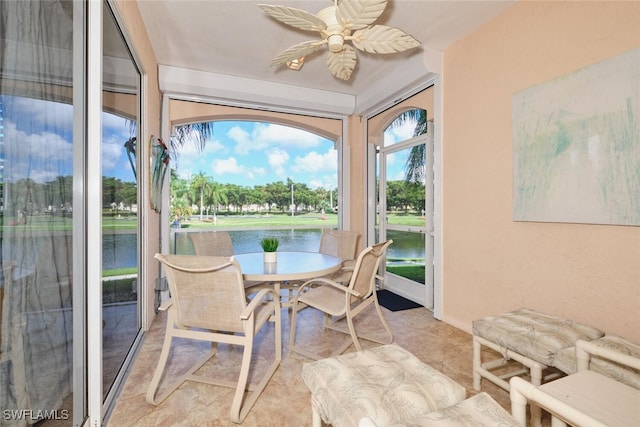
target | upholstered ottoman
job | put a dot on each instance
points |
(388, 384)
(527, 336)
(566, 360)
(477, 411)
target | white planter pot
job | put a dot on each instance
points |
(270, 257)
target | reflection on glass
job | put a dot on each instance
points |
(36, 233)
(119, 201)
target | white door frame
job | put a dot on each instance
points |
(436, 82)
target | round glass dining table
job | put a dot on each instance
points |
(290, 267)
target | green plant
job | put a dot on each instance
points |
(269, 244)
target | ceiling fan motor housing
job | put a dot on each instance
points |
(334, 33)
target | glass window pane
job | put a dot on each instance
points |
(406, 126)
(406, 256)
(259, 177)
(120, 224)
(405, 200)
(36, 152)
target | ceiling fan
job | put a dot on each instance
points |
(346, 20)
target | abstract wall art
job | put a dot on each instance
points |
(576, 146)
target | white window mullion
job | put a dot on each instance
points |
(94, 211)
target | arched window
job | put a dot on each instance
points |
(254, 178)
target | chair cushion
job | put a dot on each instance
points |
(386, 383)
(532, 334)
(566, 361)
(477, 411)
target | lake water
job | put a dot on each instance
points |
(405, 245)
(120, 250)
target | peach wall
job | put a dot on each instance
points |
(182, 112)
(355, 156)
(151, 126)
(588, 273)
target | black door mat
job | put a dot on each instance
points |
(395, 302)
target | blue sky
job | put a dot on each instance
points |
(255, 153)
(242, 153)
(38, 141)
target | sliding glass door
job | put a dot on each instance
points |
(120, 236)
(37, 211)
(46, 155)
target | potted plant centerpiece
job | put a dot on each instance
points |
(270, 246)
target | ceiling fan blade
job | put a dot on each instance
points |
(297, 51)
(383, 39)
(356, 14)
(341, 64)
(295, 17)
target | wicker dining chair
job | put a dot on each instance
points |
(212, 243)
(341, 244)
(336, 300)
(218, 243)
(344, 245)
(208, 303)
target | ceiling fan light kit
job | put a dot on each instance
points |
(347, 20)
(295, 64)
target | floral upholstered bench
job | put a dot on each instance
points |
(388, 384)
(477, 411)
(567, 362)
(532, 338)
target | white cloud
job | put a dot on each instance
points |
(277, 159)
(398, 133)
(315, 162)
(38, 156)
(227, 166)
(111, 152)
(264, 135)
(258, 172)
(39, 113)
(195, 160)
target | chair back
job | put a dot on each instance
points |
(212, 243)
(364, 274)
(339, 243)
(207, 291)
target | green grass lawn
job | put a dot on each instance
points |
(412, 272)
(110, 223)
(265, 221)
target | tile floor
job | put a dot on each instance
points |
(286, 400)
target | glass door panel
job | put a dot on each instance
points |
(120, 221)
(37, 238)
(403, 220)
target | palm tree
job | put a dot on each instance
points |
(216, 195)
(200, 184)
(414, 167)
(198, 133)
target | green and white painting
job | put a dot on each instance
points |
(576, 146)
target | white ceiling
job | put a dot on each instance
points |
(236, 38)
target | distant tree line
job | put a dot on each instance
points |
(26, 197)
(203, 195)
